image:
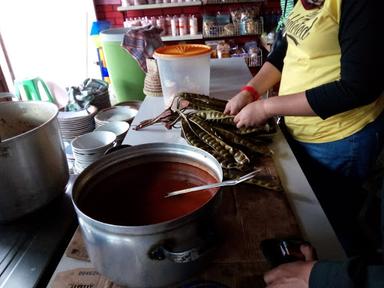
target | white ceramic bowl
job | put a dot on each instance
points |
(93, 141)
(116, 113)
(117, 127)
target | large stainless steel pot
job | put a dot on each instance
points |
(153, 255)
(33, 167)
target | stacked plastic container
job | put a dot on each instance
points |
(183, 68)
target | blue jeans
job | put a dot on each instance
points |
(353, 156)
(336, 171)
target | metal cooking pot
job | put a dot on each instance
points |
(33, 165)
(153, 255)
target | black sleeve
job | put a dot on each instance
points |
(362, 60)
(278, 51)
(365, 271)
(353, 273)
(331, 274)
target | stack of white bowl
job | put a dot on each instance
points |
(115, 113)
(120, 128)
(90, 147)
(73, 124)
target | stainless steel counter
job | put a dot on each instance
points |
(31, 247)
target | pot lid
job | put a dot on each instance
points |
(182, 50)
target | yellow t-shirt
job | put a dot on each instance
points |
(313, 59)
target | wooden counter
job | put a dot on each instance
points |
(227, 77)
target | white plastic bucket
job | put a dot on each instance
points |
(183, 68)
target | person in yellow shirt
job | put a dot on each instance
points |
(331, 97)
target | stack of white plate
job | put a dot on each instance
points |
(120, 128)
(73, 124)
(115, 113)
(90, 147)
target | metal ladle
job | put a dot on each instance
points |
(214, 185)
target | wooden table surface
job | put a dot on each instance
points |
(247, 216)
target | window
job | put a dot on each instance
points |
(49, 39)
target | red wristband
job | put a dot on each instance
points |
(252, 91)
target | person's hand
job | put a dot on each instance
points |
(252, 115)
(237, 103)
(292, 275)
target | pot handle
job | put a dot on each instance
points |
(161, 253)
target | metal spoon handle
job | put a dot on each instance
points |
(214, 185)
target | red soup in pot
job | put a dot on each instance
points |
(135, 196)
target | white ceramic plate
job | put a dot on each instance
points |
(116, 113)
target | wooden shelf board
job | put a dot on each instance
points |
(159, 6)
(181, 38)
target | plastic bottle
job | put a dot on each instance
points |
(187, 24)
(182, 25)
(168, 25)
(193, 28)
(127, 23)
(153, 21)
(174, 26)
(160, 22)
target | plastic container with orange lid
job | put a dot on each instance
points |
(183, 68)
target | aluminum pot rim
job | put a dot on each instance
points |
(34, 130)
(123, 155)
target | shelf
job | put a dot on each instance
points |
(215, 2)
(210, 32)
(181, 38)
(231, 30)
(184, 4)
(213, 37)
(200, 37)
(158, 6)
